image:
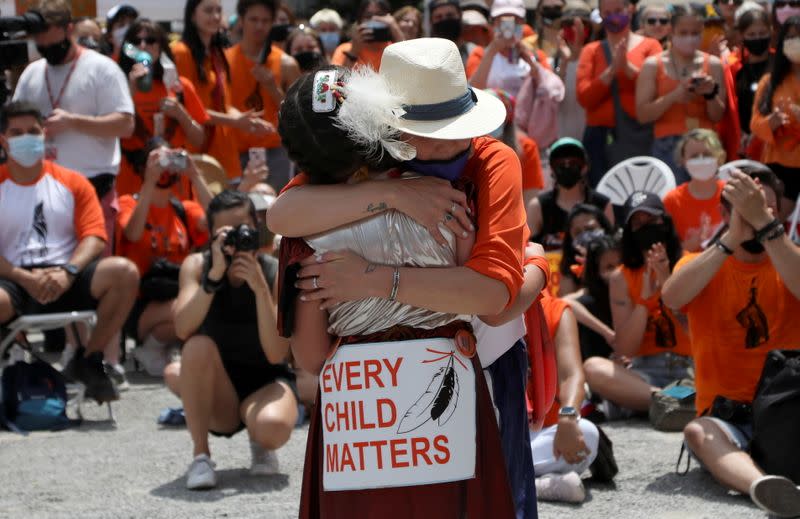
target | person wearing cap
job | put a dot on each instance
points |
(548, 25)
(576, 31)
(475, 28)
(328, 24)
(547, 213)
(118, 20)
(651, 348)
(446, 22)
(741, 297)
(442, 119)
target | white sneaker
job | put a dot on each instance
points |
(200, 475)
(117, 374)
(776, 495)
(264, 462)
(152, 355)
(567, 488)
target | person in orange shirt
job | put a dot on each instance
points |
(157, 232)
(374, 30)
(741, 298)
(597, 76)
(259, 78)
(200, 57)
(651, 346)
(693, 206)
(680, 89)
(170, 99)
(776, 113)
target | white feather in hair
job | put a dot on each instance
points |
(369, 115)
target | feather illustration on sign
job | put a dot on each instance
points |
(439, 401)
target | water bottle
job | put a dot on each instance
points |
(144, 83)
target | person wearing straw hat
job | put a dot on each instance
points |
(444, 120)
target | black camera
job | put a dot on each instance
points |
(13, 46)
(731, 411)
(31, 22)
(243, 238)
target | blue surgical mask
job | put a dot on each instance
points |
(450, 169)
(330, 40)
(26, 150)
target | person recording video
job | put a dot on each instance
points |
(233, 373)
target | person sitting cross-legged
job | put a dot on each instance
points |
(51, 238)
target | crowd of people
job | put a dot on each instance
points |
(318, 219)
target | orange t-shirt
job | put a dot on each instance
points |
(370, 55)
(595, 96)
(680, 117)
(783, 145)
(147, 105)
(663, 333)
(248, 94)
(554, 308)
(476, 56)
(530, 159)
(164, 235)
(744, 312)
(689, 213)
(222, 143)
(502, 229)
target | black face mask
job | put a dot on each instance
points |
(757, 47)
(551, 13)
(308, 61)
(650, 234)
(568, 176)
(56, 53)
(753, 246)
(449, 29)
(279, 32)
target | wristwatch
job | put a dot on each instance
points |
(568, 411)
(71, 269)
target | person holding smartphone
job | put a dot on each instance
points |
(375, 30)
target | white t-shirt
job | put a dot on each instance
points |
(507, 76)
(96, 87)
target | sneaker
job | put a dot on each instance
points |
(117, 375)
(89, 371)
(776, 495)
(567, 488)
(152, 356)
(201, 475)
(264, 462)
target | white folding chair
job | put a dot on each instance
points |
(636, 174)
(46, 322)
(724, 172)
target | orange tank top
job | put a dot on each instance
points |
(663, 333)
(680, 117)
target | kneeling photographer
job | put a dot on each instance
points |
(157, 232)
(232, 373)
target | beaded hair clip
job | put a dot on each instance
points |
(328, 91)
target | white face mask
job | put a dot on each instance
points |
(118, 35)
(791, 48)
(702, 168)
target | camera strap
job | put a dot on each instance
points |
(57, 101)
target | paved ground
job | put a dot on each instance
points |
(136, 471)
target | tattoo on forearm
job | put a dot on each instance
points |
(370, 268)
(377, 207)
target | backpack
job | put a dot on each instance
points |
(776, 406)
(34, 398)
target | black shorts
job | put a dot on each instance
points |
(790, 178)
(78, 297)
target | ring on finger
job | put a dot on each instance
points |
(453, 208)
(314, 282)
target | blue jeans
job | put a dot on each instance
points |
(664, 150)
(509, 375)
(595, 140)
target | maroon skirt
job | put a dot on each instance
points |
(488, 494)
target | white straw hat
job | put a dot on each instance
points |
(427, 74)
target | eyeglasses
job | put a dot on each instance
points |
(149, 40)
(659, 21)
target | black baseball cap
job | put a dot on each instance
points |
(441, 3)
(644, 201)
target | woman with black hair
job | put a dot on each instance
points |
(647, 332)
(776, 114)
(168, 108)
(200, 57)
(584, 223)
(374, 30)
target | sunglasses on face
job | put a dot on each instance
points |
(657, 21)
(149, 40)
(784, 3)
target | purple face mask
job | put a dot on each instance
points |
(616, 22)
(784, 13)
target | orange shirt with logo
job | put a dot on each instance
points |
(164, 235)
(248, 94)
(664, 334)
(744, 312)
(688, 213)
(222, 144)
